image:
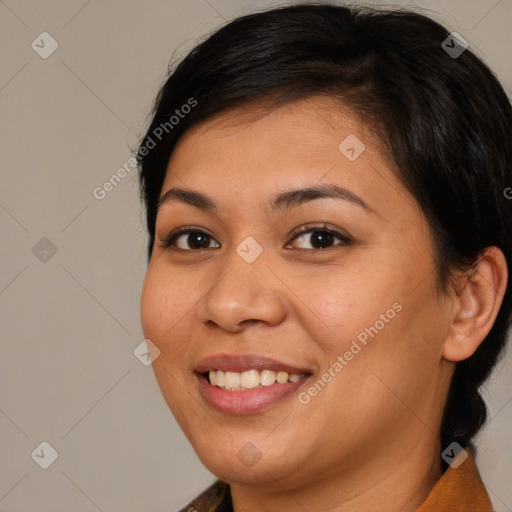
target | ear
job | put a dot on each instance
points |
(476, 304)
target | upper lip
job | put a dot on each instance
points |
(243, 363)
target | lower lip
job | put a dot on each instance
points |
(246, 402)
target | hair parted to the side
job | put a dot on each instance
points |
(447, 124)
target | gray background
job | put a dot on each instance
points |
(70, 320)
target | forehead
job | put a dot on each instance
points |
(245, 156)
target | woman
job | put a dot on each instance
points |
(327, 283)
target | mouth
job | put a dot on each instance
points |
(250, 379)
(247, 384)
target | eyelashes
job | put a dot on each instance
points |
(169, 241)
(202, 239)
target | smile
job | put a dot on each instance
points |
(247, 384)
(252, 379)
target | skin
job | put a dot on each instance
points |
(372, 434)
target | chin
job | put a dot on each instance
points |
(231, 470)
(243, 462)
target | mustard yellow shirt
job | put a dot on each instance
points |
(458, 490)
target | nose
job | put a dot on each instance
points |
(245, 293)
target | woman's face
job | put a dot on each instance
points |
(337, 285)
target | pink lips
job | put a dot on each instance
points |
(250, 401)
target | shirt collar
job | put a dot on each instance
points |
(459, 488)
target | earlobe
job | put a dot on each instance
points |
(478, 300)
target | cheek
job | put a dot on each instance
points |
(153, 303)
(164, 321)
(164, 307)
(343, 305)
(370, 318)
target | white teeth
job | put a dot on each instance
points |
(268, 377)
(232, 380)
(282, 377)
(250, 379)
(220, 379)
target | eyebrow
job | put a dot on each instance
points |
(283, 201)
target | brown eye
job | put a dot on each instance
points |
(320, 238)
(188, 240)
